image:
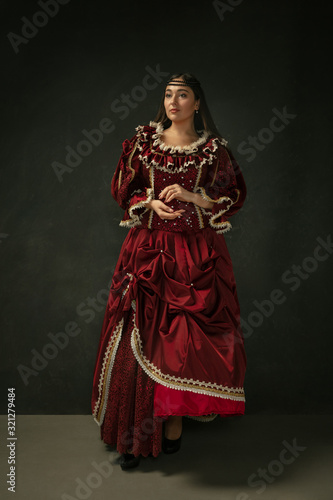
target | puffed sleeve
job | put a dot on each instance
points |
(225, 187)
(128, 186)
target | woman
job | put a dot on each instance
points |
(171, 343)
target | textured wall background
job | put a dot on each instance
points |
(70, 67)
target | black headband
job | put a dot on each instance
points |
(186, 83)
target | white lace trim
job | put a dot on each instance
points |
(150, 369)
(215, 142)
(135, 220)
(176, 170)
(232, 393)
(193, 147)
(129, 223)
(136, 191)
(220, 200)
(141, 134)
(226, 226)
(148, 163)
(221, 226)
(189, 148)
(104, 381)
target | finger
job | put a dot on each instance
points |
(175, 214)
(171, 217)
(165, 192)
(168, 215)
(162, 193)
(169, 197)
(164, 215)
(165, 208)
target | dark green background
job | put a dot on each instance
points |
(60, 241)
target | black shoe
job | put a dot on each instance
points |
(171, 445)
(129, 461)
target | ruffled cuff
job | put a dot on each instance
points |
(217, 220)
(137, 207)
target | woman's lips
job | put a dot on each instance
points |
(174, 110)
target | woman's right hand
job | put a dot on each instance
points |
(163, 211)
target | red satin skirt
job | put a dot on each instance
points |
(171, 342)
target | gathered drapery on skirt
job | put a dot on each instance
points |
(171, 342)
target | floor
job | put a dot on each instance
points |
(266, 457)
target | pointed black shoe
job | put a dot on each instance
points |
(129, 461)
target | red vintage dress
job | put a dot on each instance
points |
(171, 341)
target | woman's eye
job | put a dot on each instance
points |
(167, 96)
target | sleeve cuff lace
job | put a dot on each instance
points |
(137, 207)
(217, 217)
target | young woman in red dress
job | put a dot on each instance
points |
(171, 343)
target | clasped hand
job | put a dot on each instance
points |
(174, 191)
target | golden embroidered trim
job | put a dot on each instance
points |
(119, 178)
(213, 389)
(199, 213)
(226, 226)
(130, 160)
(105, 377)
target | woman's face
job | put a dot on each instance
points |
(180, 102)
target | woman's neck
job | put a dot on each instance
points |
(182, 129)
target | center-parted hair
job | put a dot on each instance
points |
(203, 119)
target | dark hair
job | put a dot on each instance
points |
(202, 120)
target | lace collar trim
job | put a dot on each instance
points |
(189, 148)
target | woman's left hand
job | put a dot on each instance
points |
(175, 191)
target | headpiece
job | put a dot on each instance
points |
(186, 83)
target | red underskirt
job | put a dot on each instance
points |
(169, 401)
(137, 405)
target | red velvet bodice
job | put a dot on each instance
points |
(147, 165)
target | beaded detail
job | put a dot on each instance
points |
(200, 167)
